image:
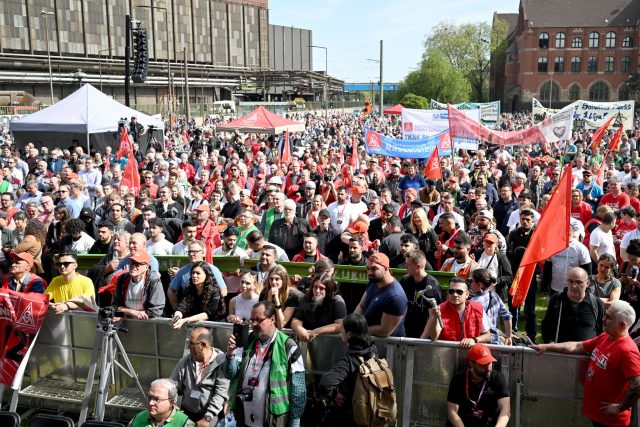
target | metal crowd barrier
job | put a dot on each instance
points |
(545, 390)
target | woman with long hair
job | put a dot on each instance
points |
(317, 204)
(420, 227)
(604, 284)
(35, 238)
(61, 216)
(321, 310)
(202, 301)
(240, 306)
(482, 288)
(278, 291)
(339, 383)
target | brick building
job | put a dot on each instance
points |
(560, 51)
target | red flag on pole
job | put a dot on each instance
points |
(354, 154)
(131, 175)
(286, 149)
(124, 145)
(600, 176)
(596, 139)
(550, 237)
(432, 168)
(615, 141)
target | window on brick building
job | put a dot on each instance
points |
(575, 64)
(561, 40)
(558, 66)
(594, 39)
(627, 41)
(623, 92)
(625, 64)
(577, 42)
(609, 64)
(574, 92)
(610, 39)
(550, 91)
(592, 66)
(543, 41)
(542, 65)
(599, 91)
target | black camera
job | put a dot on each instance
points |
(197, 132)
(245, 394)
(241, 334)
(328, 177)
(108, 313)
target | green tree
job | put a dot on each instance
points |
(411, 100)
(468, 48)
(436, 79)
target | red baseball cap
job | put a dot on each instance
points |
(358, 227)
(380, 258)
(480, 354)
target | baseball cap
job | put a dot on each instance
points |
(356, 189)
(310, 184)
(25, 256)
(491, 237)
(86, 213)
(485, 214)
(141, 257)
(480, 354)
(380, 258)
(275, 180)
(358, 227)
(203, 208)
(272, 188)
(586, 172)
(324, 212)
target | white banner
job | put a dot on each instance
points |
(591, 115)
(489, 111)
(420, 124)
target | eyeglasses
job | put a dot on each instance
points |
(64, 264)
(257, 321)
(456, 292)
(156, 399)
(194, 252)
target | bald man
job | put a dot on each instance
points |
(579, 313)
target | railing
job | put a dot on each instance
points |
(6, 110)
(204, 109)
(545, 390)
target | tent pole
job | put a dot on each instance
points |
(88, 145)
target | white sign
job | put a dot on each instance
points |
(420, 124)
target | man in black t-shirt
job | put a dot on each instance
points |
(417, 284)
(478, 396)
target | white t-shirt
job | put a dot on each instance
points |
(629, 179)
(459, 219)
(603, 242)
(135, 295)
(83, 244)
(490, 262)
(514, 219)
(163, 247)
(628, 237)
(342, 215)
(574, 255)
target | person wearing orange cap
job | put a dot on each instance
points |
(479, 395)
(357, 192)
(384, 303)
(21, 279)
(139, 293)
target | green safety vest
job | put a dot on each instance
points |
(177, 419)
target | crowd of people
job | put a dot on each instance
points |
(327, 204)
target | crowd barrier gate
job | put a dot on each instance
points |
(545, 389)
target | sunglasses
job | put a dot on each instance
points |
(456, 292)
(64, 264)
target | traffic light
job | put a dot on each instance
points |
(141, 55)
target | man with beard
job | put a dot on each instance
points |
(105, 239)
(328, 239)
(289, 231)
(484, 225)
(461, 264)
(384, 303)
(304, 205)
(446, 239)
(356, 255)
(119, 221)
(393, 180)
(377, 225)
(479, 395)
(310, 252)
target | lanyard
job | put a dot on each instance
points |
(475, 404)
(259, 357)
(203, 367)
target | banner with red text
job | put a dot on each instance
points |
(556, 127)
(21, 316)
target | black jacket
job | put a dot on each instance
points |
(578, 322)
(342, 377)
(278, 234)
(501, 211)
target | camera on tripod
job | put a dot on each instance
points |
(107, 314)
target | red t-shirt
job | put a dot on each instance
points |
(613, 363)
(582, 213)
(616, 203)
(635, 203)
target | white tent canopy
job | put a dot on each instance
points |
(85, 111)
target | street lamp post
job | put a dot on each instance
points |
(379, 61)
(166, 24)
(46, 31)
(100, 63)
(326, 79)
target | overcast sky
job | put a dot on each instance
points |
(352, 30)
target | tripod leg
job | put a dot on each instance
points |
(131, 372)
(105, 372)
(90, 377)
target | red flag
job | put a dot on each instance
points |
(596, 139)
(286, 149)
(550, 237)
(354, 154)
(131, 175)
(432, 168)
(124, 144)
(600, 176)
(615, 141)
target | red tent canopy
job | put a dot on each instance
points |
(262, 120)
(395, 110)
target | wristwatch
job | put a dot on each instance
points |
(475, 340)
(207, 418)
(278, 307)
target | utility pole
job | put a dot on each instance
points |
(127, 51)
(186, 85)
(46, 30)
(381, 82)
